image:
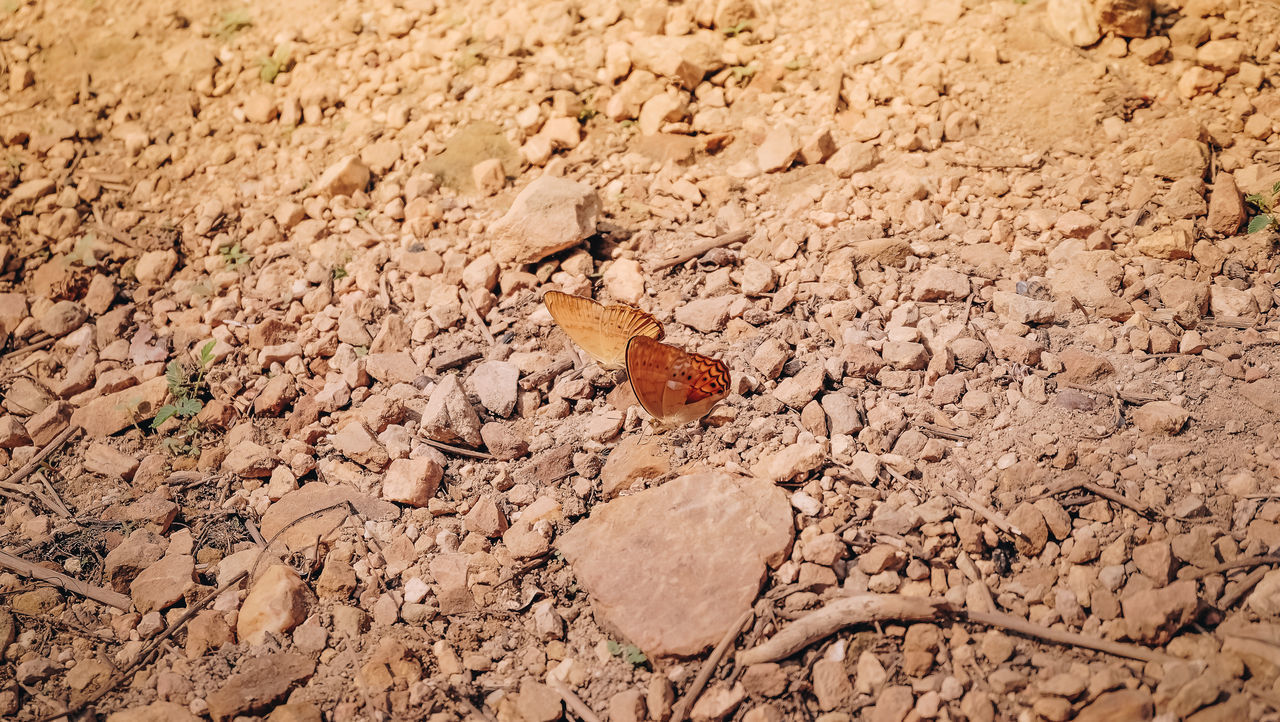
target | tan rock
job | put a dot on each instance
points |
(277, 603)
(631, 463)
(107, 461)
(343, 178)
(259, 683)
(702, 542)
(163, 583)
(108, 414)
(311, 498)
(1160, 417)
(154, 712)
(412, 481)
(549, 215)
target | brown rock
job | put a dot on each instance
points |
(108, 414)
(355, 442)
(1160, 417)
(1226, 206)
(831, 684)
(486, 518)
(502, 442)
(12, 433)
(277, 603)
(206, 631)
(259, 683)
(138, 551)
(311, 498)
(163, 583)
(1126, 18)
(631, 463)
(276, 395)
(1082, 367)
(549, 215)
(343, 178)
(1155, 560)
(249, 460)
(412, 481)
(702, 545)
(107, 461)
(448, 417)
(154, 712)
(1153, 616)
(1124, 704)
(1034, 529)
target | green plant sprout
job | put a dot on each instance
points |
(1265, 204)
(185, 386)
(234, 256)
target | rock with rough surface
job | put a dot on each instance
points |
(549, 215)
(702, 542)
(163, 583)
(277, 603)
(448, 416)
(258, 683)
(312, 498)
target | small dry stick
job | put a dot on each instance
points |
(681, 710)
(59, 506)
(572, 701)
(836, 615)
(1117, 497)
(697, 249)
(253, 532)
(1113, 393)
(30, 347)
(1234, 564)
(534, 380)
(34, 464)
(474, 313)
(1071, 639)
(458, 450)
(84, 589)
(944, 432)
(997, 519)
(1229, 599)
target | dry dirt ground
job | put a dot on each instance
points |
(287, 433)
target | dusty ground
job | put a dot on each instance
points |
(1000, 342)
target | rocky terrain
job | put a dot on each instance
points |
(288, 435)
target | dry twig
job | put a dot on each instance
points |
(836, 615)
(572, 701)
(681, 710)
(458, 450)
(1030, 629)
(697, 249)
(71, 584)
(534, 380)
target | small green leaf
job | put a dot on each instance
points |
(165, 413)
(206, 353)
(614, 648)
(188, 407)
(1275, 187)
(1257, 200)
(1259, 222)
(176, 377)
(632, 654)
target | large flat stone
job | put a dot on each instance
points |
(311, 498)
(258, 683)
(672, 568)
(108, 414)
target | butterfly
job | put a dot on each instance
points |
(673, 385)
(602, 331)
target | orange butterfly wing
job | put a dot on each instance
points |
(673, 385)
(602, 331)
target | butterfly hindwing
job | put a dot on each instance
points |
(673, 385)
